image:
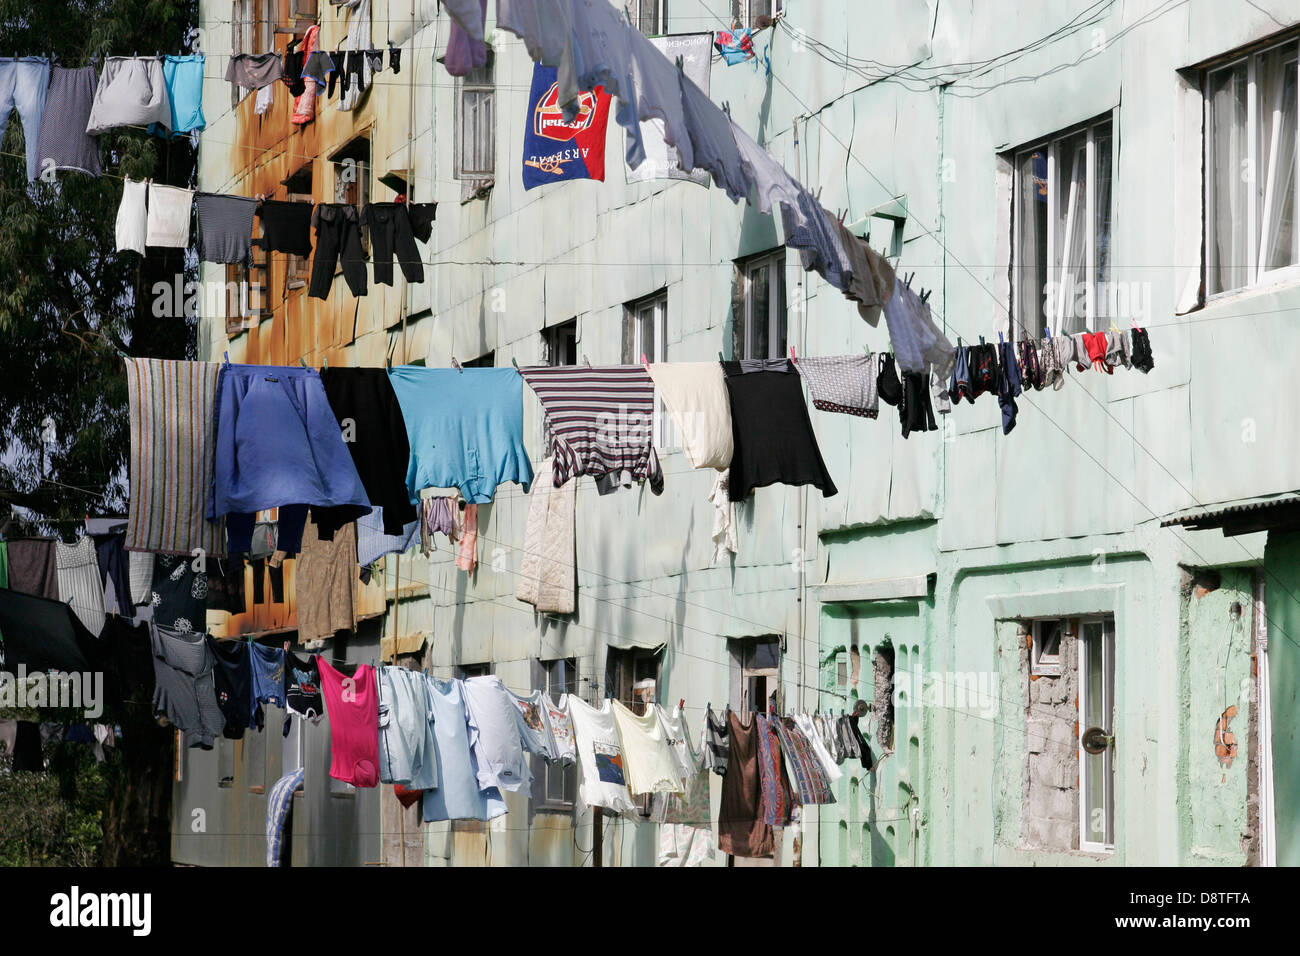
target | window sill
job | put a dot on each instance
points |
(475, 189)
(1274, 282)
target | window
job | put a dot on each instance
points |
(555, 787)
(1061, 228)
(297, 268)
(759, 326)
(486, 360)
(649, 16)
(1096, 734)
(466, 671)
(304, 9)
(1250, 163)
(645, 333)
(882, 704)
(246, 292)
(747, 11)
(475, 129)
(225, 763)
(252, 31)
(756, 674)
(1045, 651)
(560, 344)
(352, 179)
(632, 676)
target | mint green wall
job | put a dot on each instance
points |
(1281, 587)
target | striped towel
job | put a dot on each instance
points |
(278, 802)
(601, 420)
(172, 448)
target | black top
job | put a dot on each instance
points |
(286, 226)
(375, 434)
(302, 686)
(233, 679)
(772, 433)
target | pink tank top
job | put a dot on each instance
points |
(352, 704)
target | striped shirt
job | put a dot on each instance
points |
(601, 420)
(171, 405)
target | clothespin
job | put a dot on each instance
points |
(681, 704)
(1047, 330)
(513, 361)
(586, 361)
(456, 365)
(303, 363)
(1113, 326)
(720, 358)
(981, 340)
(792, 355)
(644, 361)
(1001, 341)
(227, 357)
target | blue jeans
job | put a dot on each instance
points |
(23, 82)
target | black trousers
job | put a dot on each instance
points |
(390, 232)
(338, 237)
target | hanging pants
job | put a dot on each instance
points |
(338, 236)
(23, 84)
(390, 232)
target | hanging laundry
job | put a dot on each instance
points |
(278, 446)
(870, 279)
(80, 585)
(494, 736)
(232, 676)
(457, 796)
(179, 594)
(1051, 363)
(534, 725)
(812, 784)
(24, 84)
(265, 99)
(465, 428)
(685, 823)
(45, 634)
(437, 515)
(406, 740)
(715, 742)
(1009, 386)
(813, 231)
(742, 830)
(226, 585)
(395, 58)
(113, 572)
(183, 79)
(391, 235)
(270, 678)
(1079, 352)
(356, 42)
(816, 739)
(302, 687)
(561, 721)
(915, 413)
(939, 392)
(286, 226)
(352, 704)
(466, 49)
(736, 46)
(860, 743)
(33, 567)
(225, 228)
(1142, 359)
(696, 395)
(326, 582)
(319, 66)
(548, 577)
(916, 340)
(253, 71)
(63, 142)
(600, 757)
(713, 147)
(694, 51)
(279, 801)
(648, 759)
(132, 217)
(132, 91)
(338, 243)
(168, 218)
(171, 406)
(184, 691)
(422, 216)
(1096, 345)
(776, 802)
(724, 518)
(601, 420)
(770, 183)
(293, 62)
(557, 149)
(773, 435)
(1118, 348)
(140, 574)
(373, 543)
(1030, 367)
(841, 383)
(374, 431)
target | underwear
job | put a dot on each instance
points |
(1009, 386)
(1050, 367)
(982, 360)
(1096, 346)
(320, 67)
(375, 59)
(1029, 368)
(888, 387)
(959, 386)
(293, 63)
(253, 71)
(842, 383)
(286, 226)
(1143, 361)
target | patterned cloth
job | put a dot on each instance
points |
(171, 406)
(601, 420)
(809, 776)
(548, 571)
(79, 582)
(775, 798)
(842, 383)
(715, 745)
(278, 802)
(1051, 365)
(327, 583)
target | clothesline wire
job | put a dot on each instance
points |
(816, 115)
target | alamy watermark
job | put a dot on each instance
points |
(82, 691)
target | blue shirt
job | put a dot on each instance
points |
(465, 427)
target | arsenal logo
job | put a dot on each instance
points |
(549, 121)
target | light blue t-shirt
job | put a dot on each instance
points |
(465, 427)
(457, 796)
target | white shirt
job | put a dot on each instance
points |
(494, 736)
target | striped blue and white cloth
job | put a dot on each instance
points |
(278, 802)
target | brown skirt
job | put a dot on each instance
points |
(741, 830)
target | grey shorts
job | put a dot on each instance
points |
(253, 71)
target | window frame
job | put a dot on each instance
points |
(1054, 314)
(743, 11)
(358, 193)
(480, 83)
(1040, 664)
(746, 670)
(660, 16)
(544, 772)
(655, 308)
(1258, 276)
(1106, 623)
(773, 261)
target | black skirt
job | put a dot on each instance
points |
(773, 435)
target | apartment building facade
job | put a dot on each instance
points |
(1062, 658)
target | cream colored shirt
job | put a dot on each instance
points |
(696, 395)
